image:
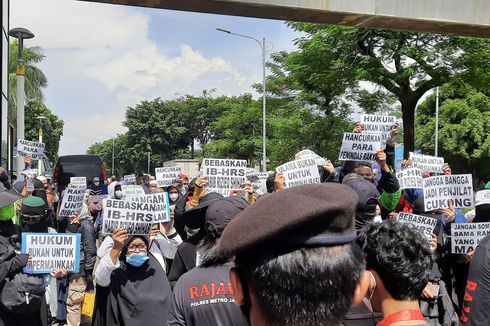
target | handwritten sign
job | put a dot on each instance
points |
(442, 189)
(78, 182)
(410, 178)
(300, 172)
(51, 250)
(424, 224)
(224, 175)
(359, 147)
(72, 202)
(427, 163)
(378, 124)
(33, 149)
(166, 176)
(466, 236)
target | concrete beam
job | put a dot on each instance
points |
(461, 17)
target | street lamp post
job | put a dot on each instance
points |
(21, 34)
(262, 46)
(113, 173)
(40, 162)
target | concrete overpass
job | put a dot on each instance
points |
(461, 17)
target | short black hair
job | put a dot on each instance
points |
(308, 286)
(270, 183)
(400, 255)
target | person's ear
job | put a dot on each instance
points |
(236, 284)
(362, 287)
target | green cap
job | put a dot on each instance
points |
(33, 205)
(487, 186)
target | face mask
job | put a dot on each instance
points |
(7, 212)
(173, 196)
(138, 259)
(96, 183)
(118, 194)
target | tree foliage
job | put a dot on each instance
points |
(332, 61)
(464, 129)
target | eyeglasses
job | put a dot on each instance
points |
(141, 247)
(31, 218)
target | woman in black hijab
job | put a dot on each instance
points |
(139, 292)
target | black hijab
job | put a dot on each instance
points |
(139, 295)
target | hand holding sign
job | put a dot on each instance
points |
(119, 236)
(448, 213)
(248, 187)
(381, 159)
(446, 169)
(393, 134)
(58, 273)
(358, 128)
(328, 167)
(201, 181)
(279, 181)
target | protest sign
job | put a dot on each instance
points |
(378, 124)
(130, 179)
(27, 148)
(424, 224)
(466, 236)
(78, 182)
(135, 217)
(98, 198)
(359, 147)
(224, 175)
(300, 172)
(72, 201)
(31, 173)
(427, 163)
(258, 179)
(307, 153)
(51, 250)
(439, 190)
(161, 210)
(166, 176)
(132, 190)
(410, 178)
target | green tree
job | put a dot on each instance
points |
(464, 129)
(332, 61)
(52, 127)
(35, 79)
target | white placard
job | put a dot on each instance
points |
(427, 163)
(258, 179)
(438, 190)
(78, 182)
(378, 124)
(466, 236)
(300, 172)
(132, 190)
(410, 178)
(33, 149)
(161, 209)
(308, 153)
(98, 198)
(72, 201)
(135, 217)
(31, 173)
(359, 147)
(224, 175)
(424, 224)
(51, 250)
(166, 176)
(130, 179)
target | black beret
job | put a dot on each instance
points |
(315, 215)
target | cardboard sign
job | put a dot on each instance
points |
(410, 178)
(135, 217)
(132, 190)
(33, 149)
(78, 182)
(441, 189)
(167, 176)
(307, 153)
(300, 172)
(378, 124)
(51, 250)
(427, 163)
(466, 236)
(424, 224)
(359, 147)
(72, 202)
(130, 179)
(224, 175)
(161, 212)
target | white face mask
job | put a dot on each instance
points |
(118, 194)
(96, 183)
(173, 196)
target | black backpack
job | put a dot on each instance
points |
(21, 293)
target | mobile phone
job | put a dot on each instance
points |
(434, 289)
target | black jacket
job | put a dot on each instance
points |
(88, 248)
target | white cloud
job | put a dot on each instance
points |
(100, 60)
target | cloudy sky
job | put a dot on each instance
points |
(102, 58)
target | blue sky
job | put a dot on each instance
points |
(102, 58)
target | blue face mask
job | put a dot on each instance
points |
(138, 259)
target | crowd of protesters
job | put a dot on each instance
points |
(331, 253)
